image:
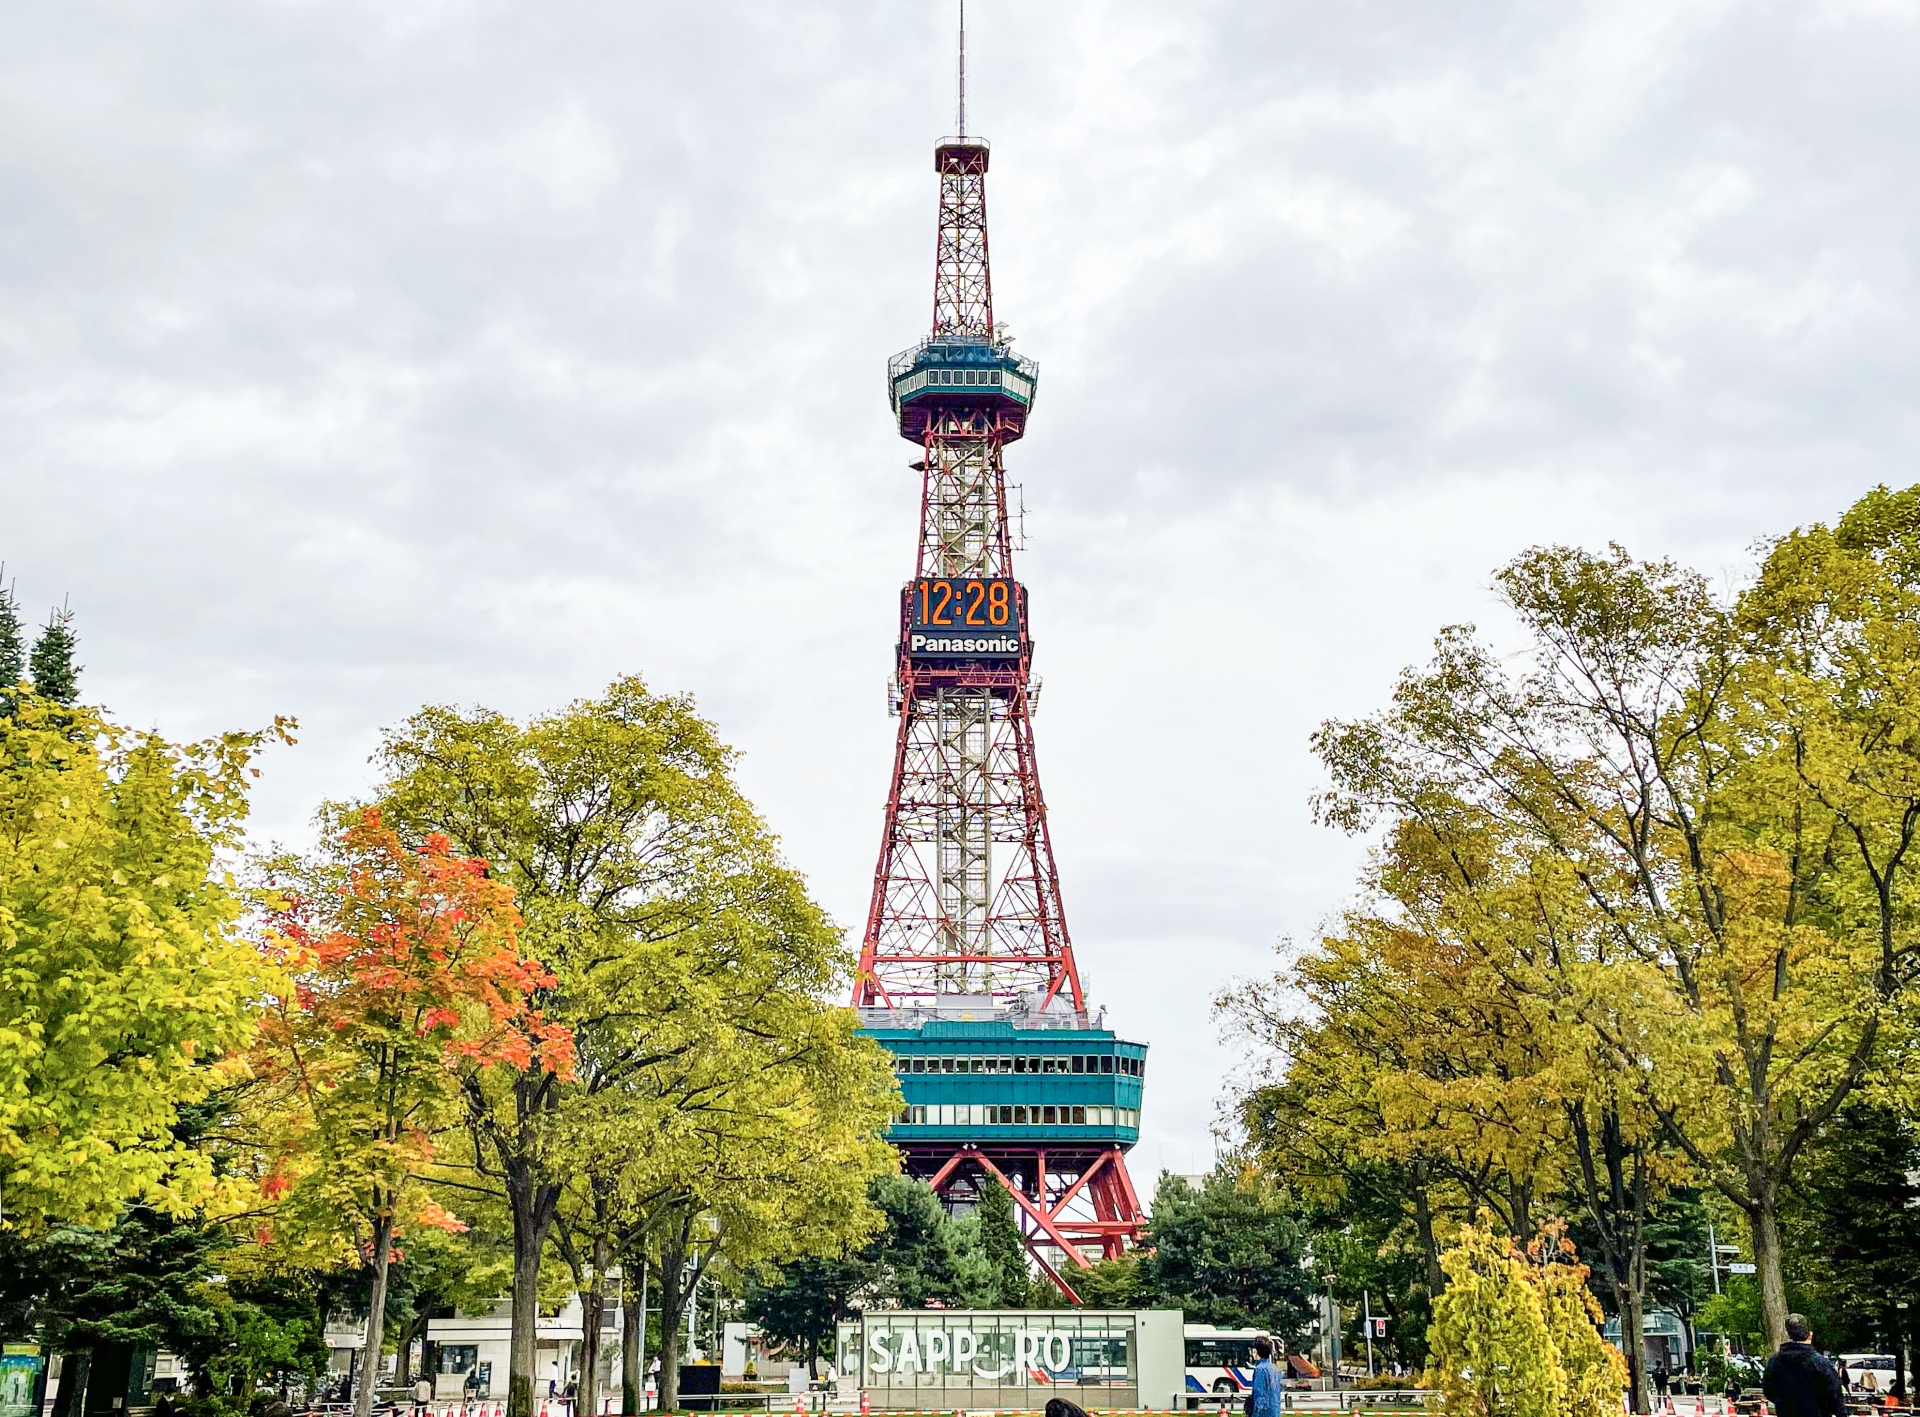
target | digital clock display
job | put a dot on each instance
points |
(971, 617)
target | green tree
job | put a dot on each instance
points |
(1678, 1237)
(1735, 1312)
(466, 1270)
(1856, 1227)
(125, 991)
(1229, 1253)
(912, 1254)
(1111, 1284)
(690, 965)
(1725, 796)
(13, 644)
(803, 1300)
(1000, 1242)
(267, 1332)
(55, 676)
(1367, 1240)
(79, 1289)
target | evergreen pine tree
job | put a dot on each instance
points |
(1000, 1238)
(13, 644)
(55, 675)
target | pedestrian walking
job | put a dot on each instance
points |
(1800, 1381)
(422, 1393)
(1264, 1398)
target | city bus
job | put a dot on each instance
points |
(1220, 1359)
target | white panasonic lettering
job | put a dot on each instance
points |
(919, 642)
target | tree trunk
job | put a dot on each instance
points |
(531, 1220)
(415, 1327)
(673, 1302)
(1633, 1343)
(1423, 1222)
(1766, 1260)
(593, 1307)
(76, 1366)
(376, 1317)
(633, 1337)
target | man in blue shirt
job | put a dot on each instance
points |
(1265, 1400)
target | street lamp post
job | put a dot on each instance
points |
(1333, 1333)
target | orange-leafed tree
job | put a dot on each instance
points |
(408, 980)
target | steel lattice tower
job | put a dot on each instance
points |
(966, 966)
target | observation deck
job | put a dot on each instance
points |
(987, 1082)
(954, 375)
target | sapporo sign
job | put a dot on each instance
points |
(995, 1355)
(977, 1357)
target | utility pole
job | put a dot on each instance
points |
(1366, 1319)
(640, 1403)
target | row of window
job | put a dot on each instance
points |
(1049, 1063)
(977, 1114)
(943, 378)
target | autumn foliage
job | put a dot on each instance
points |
(408, 983)
(1516, 1334)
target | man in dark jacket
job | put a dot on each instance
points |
(1800, 1382)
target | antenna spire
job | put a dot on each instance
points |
(963, 68)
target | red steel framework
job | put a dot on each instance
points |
(966, 896)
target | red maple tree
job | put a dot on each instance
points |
(408, 983)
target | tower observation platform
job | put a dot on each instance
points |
(966, 970)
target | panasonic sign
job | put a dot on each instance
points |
(918, 643)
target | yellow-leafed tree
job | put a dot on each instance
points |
(1493, 1353)
(1595, 1371)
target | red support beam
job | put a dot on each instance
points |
(1038, 1214)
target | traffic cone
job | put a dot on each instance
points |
(866, 1403)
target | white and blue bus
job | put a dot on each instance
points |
(1220, 1359)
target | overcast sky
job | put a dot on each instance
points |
(355, 356)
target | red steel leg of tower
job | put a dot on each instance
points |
(1036, 1213)
(1085, 1176)
(867, 988)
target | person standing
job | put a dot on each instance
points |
(1264, 1400)
(1800, 1381)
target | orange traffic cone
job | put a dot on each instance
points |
(866, 1403)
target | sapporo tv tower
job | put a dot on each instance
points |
(966, 971)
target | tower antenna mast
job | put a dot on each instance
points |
(963, 68)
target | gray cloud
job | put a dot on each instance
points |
(353, 356)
